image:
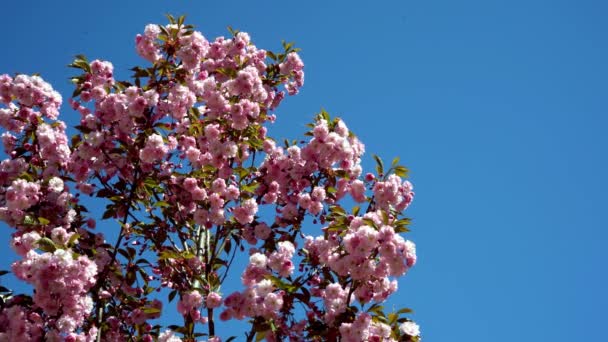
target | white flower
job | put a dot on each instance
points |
(71, 216)
(410, 328)
(264, 287)
(63, 255)
(168, 336)
(56, 184)
(258, 260)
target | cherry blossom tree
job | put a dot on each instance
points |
(180, 156)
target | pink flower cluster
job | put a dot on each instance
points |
(246, 211)
(30, 91)
(53, 143)
(102, 75)
(393, 193)
(146, 44)
(22, 195)
(364, 329)
(177, 103)
(183, 141)
(193, 49)
(155, 149)
(335, 301)
(367, 254)
(20, 324)
(293, 65)
(46, 149)
(209, 205)
(286, 174)
(260, 298)
(227, 77)
(197, 193)
(280, 260)
(189, 305)
(313, 202)
(139, 315)
(40, 210)
(16, 324)
(61, 284)
(207, 64)
(335, 147)
(213, 300)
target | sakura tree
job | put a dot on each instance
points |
(180, 156)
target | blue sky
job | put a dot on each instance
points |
(499, 108)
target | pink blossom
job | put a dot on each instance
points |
(213, 300)
(262, 231)
(193, 48)
(24, 243)
(246, 212)
(17, 325)
(146, 44)
(190, 303)
(22, 194)
(61, 283)
(102, 73)
(155, 149)
(280, 260)
(357, 190)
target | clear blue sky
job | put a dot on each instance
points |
(499, 108)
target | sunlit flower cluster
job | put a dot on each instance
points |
(182, 158)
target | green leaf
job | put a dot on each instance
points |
(384, 216)
(162, 204)
(168, 254)
(150, 310)
(142, 261)
(404, 310)
(131, 277)
(228, 246)
(43, 221)
(392, 318)
(47, 245)
(250, 187)
(377, 309)
(73, 239)
(401, 171)
(403, 222)
(271, 54)
(260, 335)
(108, 213)
(395, 161)
(232, 31)
(336, 209)
(287, 46)
(379, 165)
(81, 57)
(325, 115)
(172, 295)
(171, 18)
(369, 222)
